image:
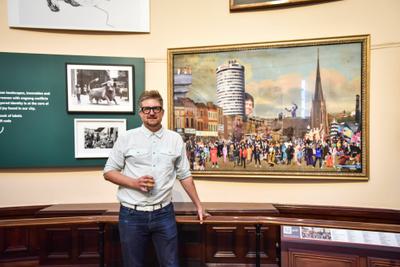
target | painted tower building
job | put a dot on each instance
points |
(182, 82)
(319, 115)
(230, 88)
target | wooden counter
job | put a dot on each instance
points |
(237, 234)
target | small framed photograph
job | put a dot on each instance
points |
(100, 88)
(94, 138)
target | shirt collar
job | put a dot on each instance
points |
(149, 133)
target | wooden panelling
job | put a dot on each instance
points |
(379, 262)
(332, 253)
(237, 244)
(222, 243)
(191, 244)
(69, 245)
(78, 234)
(56, 244)
(315, 259)
(20, 263)
(19, 243)
(250, 246)
(15, 240)
(88, 243)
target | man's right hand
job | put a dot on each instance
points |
(145, 183)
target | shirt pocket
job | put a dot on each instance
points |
(137, 156)
(168, 158)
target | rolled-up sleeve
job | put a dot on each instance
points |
(116, 160)
(182, 165)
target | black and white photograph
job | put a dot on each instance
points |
(96, 15)
(100, 88)
(316, 233)
(94, 138)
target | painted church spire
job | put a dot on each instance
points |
(319, 115)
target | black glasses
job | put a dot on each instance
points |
(147, 110)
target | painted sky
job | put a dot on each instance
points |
(279, 77)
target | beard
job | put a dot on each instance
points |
(152, 121)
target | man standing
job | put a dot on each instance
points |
(78, 92)
(144, 163)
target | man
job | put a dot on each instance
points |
(249, 104)
(145, 163)
(78, 92)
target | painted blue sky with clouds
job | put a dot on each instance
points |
(278, 77)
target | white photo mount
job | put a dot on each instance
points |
(93, 15)
(95, 138)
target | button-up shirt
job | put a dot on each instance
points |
(160, 154)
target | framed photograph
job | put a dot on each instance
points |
(94, 138)
(100, 88)
(240, 5)
(99, 15)
(288, 109)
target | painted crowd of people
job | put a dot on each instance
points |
(258, 152)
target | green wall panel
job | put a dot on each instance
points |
(45, 137)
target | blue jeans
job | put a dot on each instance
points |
(137, 228)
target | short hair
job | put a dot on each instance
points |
(247, 97)
(151, 94)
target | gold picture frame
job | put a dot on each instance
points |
(310, 95)
(242, 5)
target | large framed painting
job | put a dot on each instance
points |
(98, 15)
(288, 109)
(100, 88)
(243, 5)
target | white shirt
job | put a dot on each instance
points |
(160, 154)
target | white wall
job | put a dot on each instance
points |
(177, 23)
